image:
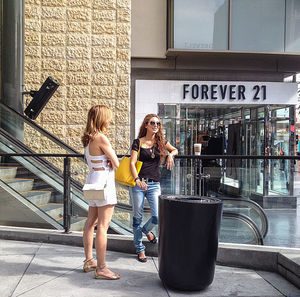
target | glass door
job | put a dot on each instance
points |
(188, 136)
(246, 150)
(279, 169)
(257, 140)
(252, 171)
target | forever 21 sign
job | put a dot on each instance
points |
(149, 93)
(231, 92)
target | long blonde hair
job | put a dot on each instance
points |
(159, 136)
(98, 118)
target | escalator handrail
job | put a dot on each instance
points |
(246, 220)
(27, 152)
(76, 185)
(40, 129)
(262, 213)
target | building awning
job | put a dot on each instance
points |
(237, 60)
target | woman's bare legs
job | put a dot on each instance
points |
(88, 234)
(104, 217)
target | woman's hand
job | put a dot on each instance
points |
(170, 162)
(109, 164)
(141, 184)
(172, 153)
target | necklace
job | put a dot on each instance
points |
(152, 153)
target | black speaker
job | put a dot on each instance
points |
(41, 97)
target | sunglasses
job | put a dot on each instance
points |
(152, 123)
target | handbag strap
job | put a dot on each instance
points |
(138, 150)
(138, 154)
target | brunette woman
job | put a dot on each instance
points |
(102, 161)
(152, 148)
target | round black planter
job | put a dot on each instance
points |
(188, 240)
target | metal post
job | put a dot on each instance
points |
(67, 213)
(197, 177)
(12, 65)
(292, 139)
(267, 151)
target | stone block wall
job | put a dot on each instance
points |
(85, 46)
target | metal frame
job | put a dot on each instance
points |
(170, 35)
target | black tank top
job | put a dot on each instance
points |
(150, 167)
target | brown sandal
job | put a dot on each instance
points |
(113, 277)
(88, 268)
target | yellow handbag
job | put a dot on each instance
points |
(123, 174)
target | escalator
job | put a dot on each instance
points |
(32, 188)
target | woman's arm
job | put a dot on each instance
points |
(133, 160)
(105, 146)
(170, 158)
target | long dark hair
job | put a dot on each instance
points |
(159, 136)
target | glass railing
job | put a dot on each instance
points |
(260, 194)
(43, 174)
(247, 218)
(238, 228)
(262, 189)
(248, 208)
(31, 187)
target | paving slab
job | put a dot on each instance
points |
(232, 281)
(10, 247)
(12, 269)
(137, 279)
(280, 283)
(45, 268)
(42, 270)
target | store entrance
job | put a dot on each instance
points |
(236, 130)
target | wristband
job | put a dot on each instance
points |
(137, 178)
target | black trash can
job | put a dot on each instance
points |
(188, 240)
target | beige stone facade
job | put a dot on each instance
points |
(85, 46)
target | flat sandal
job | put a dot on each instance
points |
(86, 267)
(113, 277)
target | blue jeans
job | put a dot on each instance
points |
(137, 196)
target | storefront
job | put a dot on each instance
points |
(242, 118)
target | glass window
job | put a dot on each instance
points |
(292, 38)
(166, 111)
(182, 112)
(170, 111)
(201, 24)
(194, 113)
(283, 113)
(258, 25)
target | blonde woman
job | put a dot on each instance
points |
(102, 161)
(153, 148)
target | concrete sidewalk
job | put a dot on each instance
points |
(41, 269)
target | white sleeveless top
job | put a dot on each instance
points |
(101, 177)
